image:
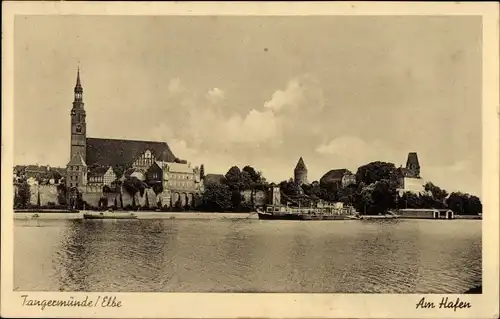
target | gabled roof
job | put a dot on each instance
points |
(300, 165)
(98, 171)
(111, 152)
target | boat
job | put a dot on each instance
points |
(109, 215)
(279, 212)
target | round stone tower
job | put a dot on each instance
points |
(300, 172)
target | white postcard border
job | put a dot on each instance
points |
(188, 305)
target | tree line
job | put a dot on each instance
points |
(375, 191)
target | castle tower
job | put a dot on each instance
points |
(413, 164)
(78, 124)
(300, 172)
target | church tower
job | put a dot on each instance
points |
(78, 125)
(76, 170)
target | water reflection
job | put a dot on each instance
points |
(248, 256)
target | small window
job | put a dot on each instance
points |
(78, 168)
(76, 184)
(70, 184)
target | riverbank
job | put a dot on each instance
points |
(140, 215)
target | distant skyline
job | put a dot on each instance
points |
(261, 91)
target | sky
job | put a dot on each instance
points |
(339, 91)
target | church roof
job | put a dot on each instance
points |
(300, 165)
(111, 152)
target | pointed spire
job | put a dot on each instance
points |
(301, 165)
(78, 83)
(78, 87)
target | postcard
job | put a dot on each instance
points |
(250, 160)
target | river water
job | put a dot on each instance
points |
(224, 255)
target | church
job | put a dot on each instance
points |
(98, 162)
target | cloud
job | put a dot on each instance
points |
(181, 149)
(289, 97)
(215, 95)
(256, 127)
(354, 151)
(300, 92)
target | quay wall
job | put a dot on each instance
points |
(259, 197)
(48, 194)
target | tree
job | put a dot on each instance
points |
(216, 197)
(246, 181)
(384, 196)
(464, 204)
(437, 193)
(409, 200)
(62, 194)
(289, 188)
(376, 171)
(233, 177)
(347, 195)
(474, 206)
(236, 199)
(23, 195)
(363, 199)
(254, 175)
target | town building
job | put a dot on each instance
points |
(38, 174)
(337, 178)
(300, 173)
(98, 162)
(409, 178)
(101, 176)
(180, 180)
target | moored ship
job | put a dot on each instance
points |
(313, 210)
(279, 212)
